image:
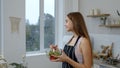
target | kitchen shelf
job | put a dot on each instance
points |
(111, 26)
(103, 18)
(100, 15)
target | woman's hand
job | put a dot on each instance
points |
(62, 58)
(54, 47)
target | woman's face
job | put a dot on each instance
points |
(68, 24)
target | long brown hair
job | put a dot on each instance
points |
(79, 25)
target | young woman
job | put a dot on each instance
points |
(77, 53)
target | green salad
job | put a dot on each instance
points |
(54, 52)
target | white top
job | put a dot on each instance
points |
(78, 54)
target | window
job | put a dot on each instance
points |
(40, 24)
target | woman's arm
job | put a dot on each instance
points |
(87, 55)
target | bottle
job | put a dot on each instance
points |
(96, 11)
(92, 12)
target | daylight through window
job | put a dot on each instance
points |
(40, 24)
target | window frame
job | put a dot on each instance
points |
(41, 14)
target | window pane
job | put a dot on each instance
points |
(32, 25)
(34, 22)
(49, 22)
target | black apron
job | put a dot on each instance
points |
(70, 52)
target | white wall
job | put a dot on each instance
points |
(0, 26)
(102, 35)
(70, 6)
(42, 61)
(14, 43)
(105, 6)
